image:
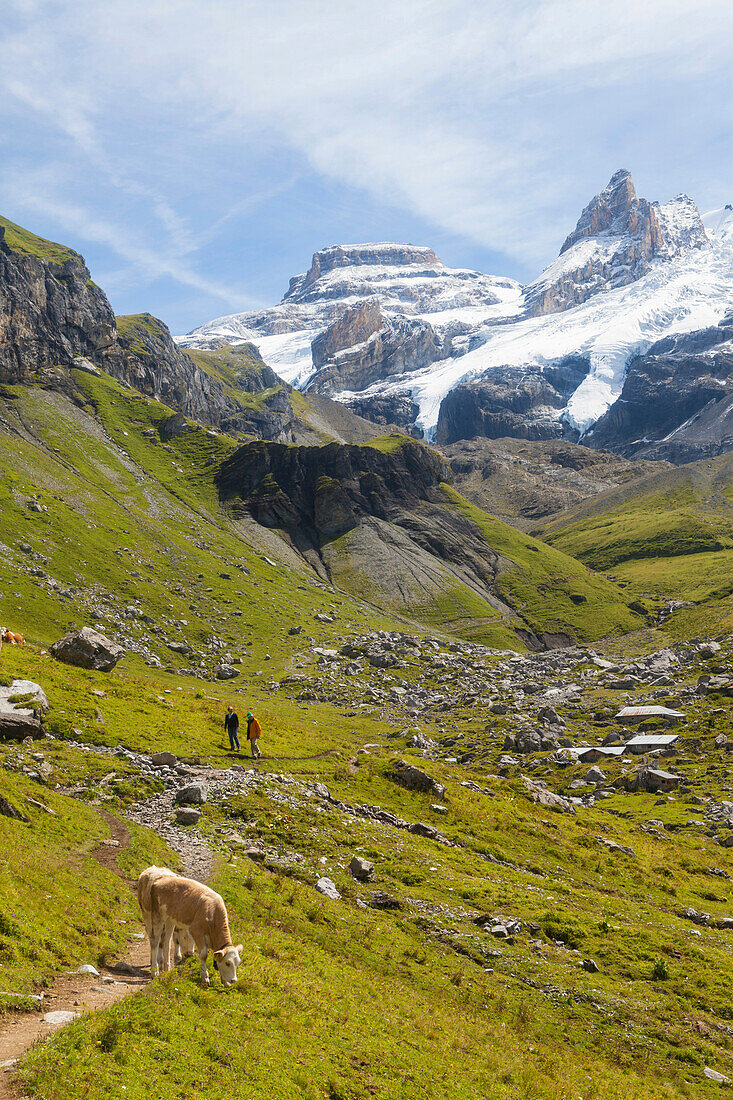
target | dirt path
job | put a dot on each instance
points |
(77, 993)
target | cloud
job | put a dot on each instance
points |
(489, 120)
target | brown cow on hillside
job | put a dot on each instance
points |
(183, 903)
(183, 945)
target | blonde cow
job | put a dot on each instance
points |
(183, 945)
(183, 903)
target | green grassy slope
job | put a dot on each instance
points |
(127, 521)
(22, 240)
(670, 536)
(337, 1000)
(552, 591)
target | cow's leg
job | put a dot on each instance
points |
(203, 952)
(168, 931)
(153, 952)
(177, 956)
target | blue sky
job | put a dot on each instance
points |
(197, 154)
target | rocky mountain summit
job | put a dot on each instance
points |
(447, 354)
(614, 242)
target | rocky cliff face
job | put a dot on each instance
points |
(399, 346)
(385, 254)
(676, 401)
(520, 403)
(616, 238)
(353, 326)
(326, 490)
(388, 410)
(50, 310)
(154, 365)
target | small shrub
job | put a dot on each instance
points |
(660, 971)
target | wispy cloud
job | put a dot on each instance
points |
(489, 120)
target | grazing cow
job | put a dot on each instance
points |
(184, 903)
(183, 944)
(12, 638)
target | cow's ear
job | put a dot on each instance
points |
(238, 949)
(219, 954)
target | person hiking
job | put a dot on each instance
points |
(253, 732)
(231, 725)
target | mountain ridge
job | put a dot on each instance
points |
(631, 273)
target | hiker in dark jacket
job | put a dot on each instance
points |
(231, 725)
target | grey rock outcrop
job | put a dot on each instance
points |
(50, 310)
(362, 869)
(521, 403)
(355, 324)
(401, 344)
(328, 888)
(338, 256)
(193, 794)
(415, 779)
(676, 401)
(187, 815)
(87, 648)
(629, 235)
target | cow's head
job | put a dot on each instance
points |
(227, 960)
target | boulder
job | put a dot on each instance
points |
(595, 775)
(187, 815)
(35, 691)
(194, 794)
(328, 888)
(227, 672)
(543, 797)
(87, 648)
(362, 869)
(415, 779)
(528, 741)
(380, 900)
(421, 829)
(163, 759)
(60, 1017)
(7, 809)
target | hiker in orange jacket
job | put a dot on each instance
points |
(253, 732)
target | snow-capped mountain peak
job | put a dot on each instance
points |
(391, 331)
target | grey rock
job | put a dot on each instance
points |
(714, 1075)
(194, 794)
(7, 809)
(327, 887)
(362, 869)
(227, 672)
(590, 965)
(28, 687)
(595, 775)
(187, 815)
(87, 968)
(695, 916)
(160, 759)
(87, 648)
(381, 900)
(60, 1017)
(415, 779)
